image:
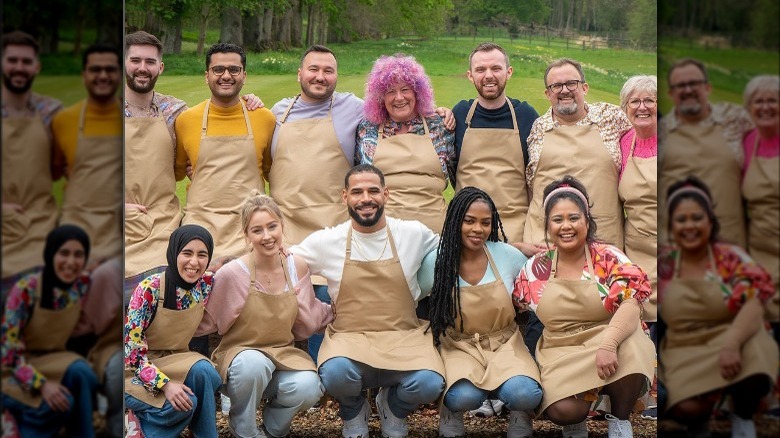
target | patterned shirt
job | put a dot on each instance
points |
(734, 119)
(740, 278)
(143, 306)
(163, 105)
(443, 139)
(18, 310)
(611, 121)
(44, 106)
(617, 278)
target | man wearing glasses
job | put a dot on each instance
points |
(229, 149)
(705, 140)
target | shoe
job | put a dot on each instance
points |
(617, 428)
(742, 428)
(489, 408)
(225, 404)
(578, 430)
(520, 425)
(391, 426)
(358, 426)
(651, 413)
(451, 423)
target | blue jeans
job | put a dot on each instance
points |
(166, 421)
(45, 422)
(519, 393)
(321, 292)
(345, 380)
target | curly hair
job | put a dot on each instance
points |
(705, 202)
(388, 71)
(569, 181)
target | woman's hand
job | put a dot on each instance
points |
(606, 363)
(730, 362)
(176, 393)
(56, 396)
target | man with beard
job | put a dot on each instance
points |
(371, 263)
(88, 149)
(229, 149)
(28, 206)
(704, 140)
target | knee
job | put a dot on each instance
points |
(464, 396)
(203, 374)
(521, 393)
(565, 412)
(341, 376)
(251, 365)
(427, 384)
(692, 409)
(305, 388)
(80, 373)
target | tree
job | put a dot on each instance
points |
(642, 24)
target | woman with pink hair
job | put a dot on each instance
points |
(399, 101)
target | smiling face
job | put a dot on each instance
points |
(20, 66)
(489, 73)
(318, 76)
(764, 109)
(225, 87)
(567, 227)
(264, 233)
(192, 261)
(400, 102)
(365, 198)
(143, 65)
(101, 76)
(643, 118)
(69, 261)
(566, 104)
(476, 226)
(689, 91)
(690, 225)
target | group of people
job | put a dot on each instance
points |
(357, 251)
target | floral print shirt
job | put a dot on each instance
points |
(740, 278)
(18, 310)
(143, 305)
(617, 278)
(164, 106)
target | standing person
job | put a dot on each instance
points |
(29, 210)
(588, 295)
(45, 386)
(473, 320)
(580, 139)
(705, 140)
(371, 263)
(164, 312)
(261, 303)
(229, 149)
(88, 140)
(761, 180)
(402, 136)
(490, 140)
(712, 297)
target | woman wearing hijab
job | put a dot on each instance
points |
(45, 387)
(167, 386)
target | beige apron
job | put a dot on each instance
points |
(578, 151)
(375, 320)
(490, 350)
(93, 193)
(106, 346)
(492, 160)
(761, 190)
(264, 324)
(638, 190)
(702, 151)
(168, 338)
(574, 321)
(697, 323)
(45, 337)
(308, 190)
(149, 181)
(225, 175)
(414, 176)
(26, 180)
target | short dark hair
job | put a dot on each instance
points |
(687, 61)
(319, 49)
(225, 48)
(141, 38)
(560, 63)
(570, 181)
(100, 48)
(706, 204)
(364, 168)
(19, 38)
(487, 47)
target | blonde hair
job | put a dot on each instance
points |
(760, 83)
(637, 84)
(258, 201)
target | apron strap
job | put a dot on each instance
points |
(204, 123)
(389, 238)
(473, 108)
(491, 263)
(678, 261)
(588, 260)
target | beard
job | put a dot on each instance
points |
(17, 89)
(367, 221)
(566, 110)
(307, 89)
(493, 94)
(141, 89)
(691, 109)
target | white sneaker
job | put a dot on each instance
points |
(742, 428)
(578, 430)
(358, 426)
(520, 425)
(225, 404)
(618, 428)
(451, 423)
(391, 426)
(489, 408)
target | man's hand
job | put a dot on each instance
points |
(176, 393)
(139, 207)
(529, 249)
(12, 206)
(252, 102)
(447, 116)
(188, 169)
(56, 396)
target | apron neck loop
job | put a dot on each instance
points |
(588, 260)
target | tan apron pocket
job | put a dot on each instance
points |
(15, 225)
(138, 225)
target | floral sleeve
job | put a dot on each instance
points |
(618, 278)
(531, 281)
(17, 311)
(367, 137)
(742, 278)
(143, 303)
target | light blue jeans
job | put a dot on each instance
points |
(519, 393)
(345, 380)
(167, 422)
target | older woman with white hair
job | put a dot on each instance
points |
(761, 179)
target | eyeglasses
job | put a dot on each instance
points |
(690, 84)
(219, 70)
(96, 69)
(558, 87)
(636, 103)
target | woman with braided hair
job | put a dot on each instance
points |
(470, 280)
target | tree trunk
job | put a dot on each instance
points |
(230, 29)
(203, 24)
(285, 27)
(323, 38)
(252, 25)
(570, 14)
(170, 36)
(312, 19)
(268, 22)
(296, 24)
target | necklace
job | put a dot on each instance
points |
(265, 274)
(362, 254)
(149, 110)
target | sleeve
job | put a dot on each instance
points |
(313, 314)
(622, 279)
(226, 300)
(268, 125)
(103, 300)
(366, 142)
(15, 317)
(448, 138)
(429, 241)
(426, 272)
(743, 277)
(510, 261)
(58, 161)
(143, 303)
(307, 250)
(531, 281)
(180, 165)
(535, 139)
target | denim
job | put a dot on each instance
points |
(315, 341)
(113, 388)
(519, 393)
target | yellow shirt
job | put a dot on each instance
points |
(222, 121)
(98, 121)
